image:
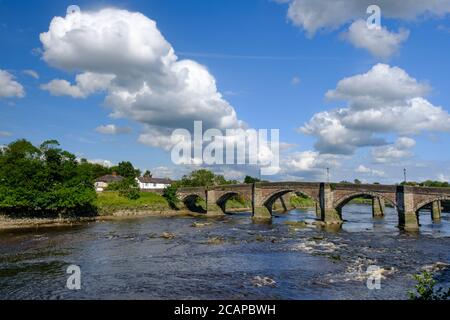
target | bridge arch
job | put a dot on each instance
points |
(429, 201)
(222, 200)
(271, 198)
(190, 201)
(341, 202)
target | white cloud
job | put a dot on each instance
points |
(315, 15)
(105, 163)
(381, 43)
(143, 78)
(365, 170)
(4, 134)
(112, 129)
(383, 100)
(86, 84)
(398, 151)
(309, 164)
(9, 87)
(31, 73)
(324, 15)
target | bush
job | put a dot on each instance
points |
(170, 194)
(425, 289)
(128, 188)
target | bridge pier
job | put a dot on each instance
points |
(212, 208)
(259, 210)
(407, 216)
(328, 213)
(377, 207)
(436, 210)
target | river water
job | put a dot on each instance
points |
(228, 258)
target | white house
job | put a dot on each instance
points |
(149, 183)
(102, 183)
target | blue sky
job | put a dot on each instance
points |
(268, 67)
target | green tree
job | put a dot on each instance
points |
(129, 188)
(126, 170)
(148, 173)
(357, 181)
(170, 193)
(249, 179)
(42, 180)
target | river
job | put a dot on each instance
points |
(228, 258)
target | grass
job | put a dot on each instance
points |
(302, 202)
(110, 201)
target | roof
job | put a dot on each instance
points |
(109, 178)
(154, 180)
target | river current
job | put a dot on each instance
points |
(227, 258)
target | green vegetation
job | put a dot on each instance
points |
(170, 194)
(427, 183)
(302, 201)
(249, 179)
(110, 201)
(203, 178)
(44, 181)
(425, 289)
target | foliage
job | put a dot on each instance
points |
(170, 194)
(425, 289)
(44, 180)
(126, 170)
(302, 201)
(203, 178)
(427, 183)
(357, 181)
(249, 179)
(148, 173)
(129, 188)
(92, 170)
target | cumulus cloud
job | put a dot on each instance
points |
(128, 57)
(9, 87)
(319, 15)
(112, 129)
(367, 171)
(86, 84)
(31, 73)
(315, 15)
(381, 43)
(309, 164)
(398, 151)
(383, 100)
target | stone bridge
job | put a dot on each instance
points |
(330, 198)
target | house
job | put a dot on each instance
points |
(102, 183)
(149, 183)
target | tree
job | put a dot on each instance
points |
(203, 178)
(148, 173)
(126, 170)
(128, 188)
(43, 180)
(249, 179)
(357, 181)
(170, 193)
